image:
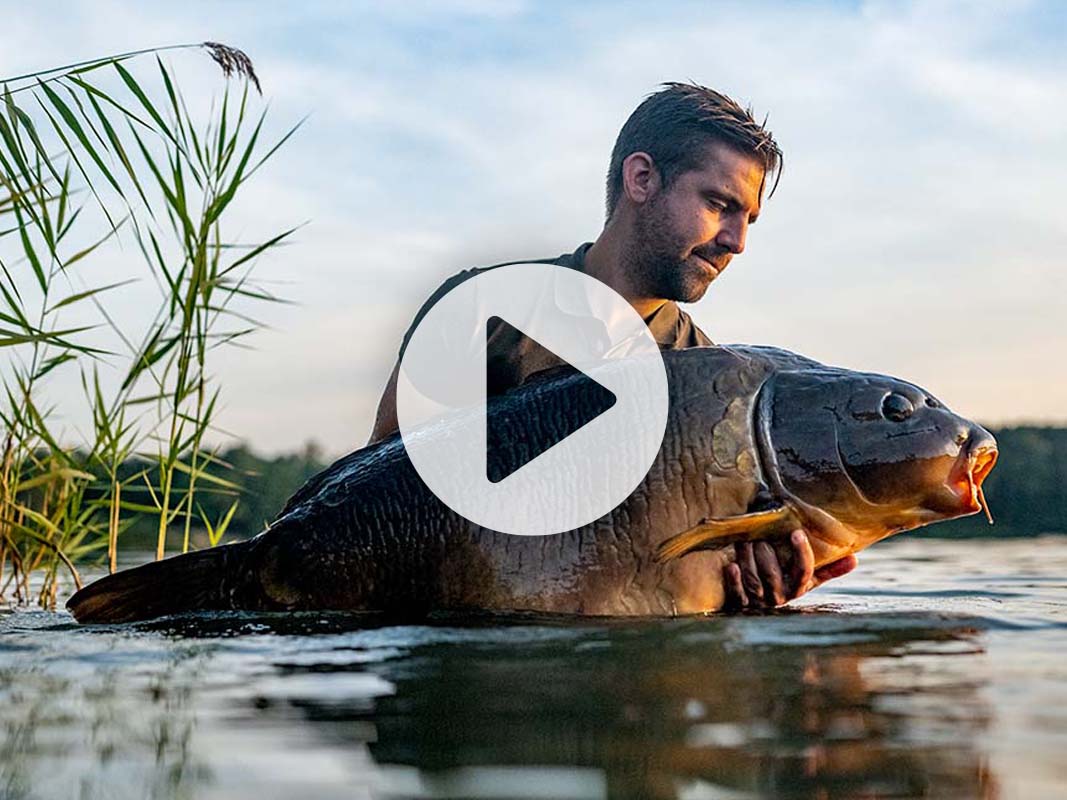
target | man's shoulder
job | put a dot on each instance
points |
(687, 333)
(573, 260)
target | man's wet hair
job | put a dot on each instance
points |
(675, 125)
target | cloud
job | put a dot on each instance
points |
(917, 229)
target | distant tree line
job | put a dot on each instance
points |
(1027, 490)
(261, 484)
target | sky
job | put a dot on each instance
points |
(918, 229)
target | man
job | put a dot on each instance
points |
(686, 180)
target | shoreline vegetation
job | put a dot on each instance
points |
(1027, 491)
(104, 166)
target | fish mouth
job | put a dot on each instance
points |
(974, 463)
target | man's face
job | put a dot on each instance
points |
(687, 234)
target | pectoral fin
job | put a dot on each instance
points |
(716, 533)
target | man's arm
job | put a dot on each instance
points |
(385, 422)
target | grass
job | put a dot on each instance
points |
(94, 156)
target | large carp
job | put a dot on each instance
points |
(758, 441)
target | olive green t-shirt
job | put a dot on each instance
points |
(512, 357)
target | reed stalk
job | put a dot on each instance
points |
(95, 155)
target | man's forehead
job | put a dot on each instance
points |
(725, 168)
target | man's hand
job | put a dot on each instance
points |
(758, 580)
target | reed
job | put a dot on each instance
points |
(97, 155)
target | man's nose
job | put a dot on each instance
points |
(732, 236)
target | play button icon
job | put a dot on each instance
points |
(537, 460)
(500, 436)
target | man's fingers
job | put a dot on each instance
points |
(803, 569)
(771, 573)
(750, 575)
(735, 590)
(835, 569)
(757, 579)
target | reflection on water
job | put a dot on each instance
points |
(893, 689)
(643, 713)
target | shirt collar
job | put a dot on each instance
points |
(662, 323)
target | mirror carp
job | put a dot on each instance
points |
(759, 441)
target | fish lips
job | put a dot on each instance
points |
(962, 492)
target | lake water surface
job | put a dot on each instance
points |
(938, 669)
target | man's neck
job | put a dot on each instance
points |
(608, 261)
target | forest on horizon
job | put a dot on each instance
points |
(1026, 490)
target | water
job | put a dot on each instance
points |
(936, 670)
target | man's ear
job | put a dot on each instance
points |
(640, 178)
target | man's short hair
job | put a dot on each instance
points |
(674, 126)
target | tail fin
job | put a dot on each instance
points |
(189, 582)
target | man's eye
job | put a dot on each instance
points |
(717, 205)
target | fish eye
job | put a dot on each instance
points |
(896, 407)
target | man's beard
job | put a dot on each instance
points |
(656, 264)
